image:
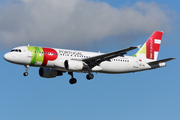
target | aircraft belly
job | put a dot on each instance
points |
(50, 64)
(114, 67)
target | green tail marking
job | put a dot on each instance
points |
(142, 50)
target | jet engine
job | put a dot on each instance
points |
(75, 65)
(49, 72)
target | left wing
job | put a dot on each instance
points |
(93, 61)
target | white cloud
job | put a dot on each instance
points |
(76, 22)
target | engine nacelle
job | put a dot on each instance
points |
(59, 63)
(75, 65)
(49, 73)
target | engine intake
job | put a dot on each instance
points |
(49, 72)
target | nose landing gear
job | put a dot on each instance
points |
(26, 73)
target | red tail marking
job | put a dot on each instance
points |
(151, 46)
(156, 47)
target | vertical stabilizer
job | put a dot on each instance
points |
(150, 49)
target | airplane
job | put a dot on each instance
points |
(54, 62)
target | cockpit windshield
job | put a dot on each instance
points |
(16, 50)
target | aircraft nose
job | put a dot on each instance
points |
(7, 57)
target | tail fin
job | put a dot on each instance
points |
(150, 49)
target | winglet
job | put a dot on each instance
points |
(139, 47)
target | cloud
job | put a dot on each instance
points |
(76, 22)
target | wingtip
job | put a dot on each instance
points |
(139, 46)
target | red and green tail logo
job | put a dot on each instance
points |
(150, 49)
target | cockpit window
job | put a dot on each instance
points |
(16, 50)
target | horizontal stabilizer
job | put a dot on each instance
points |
(160, 61)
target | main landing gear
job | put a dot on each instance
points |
(89, 76)
(26, 73)
(73, 80)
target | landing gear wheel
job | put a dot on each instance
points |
(25, 74)
(89, 76)
(72, 81)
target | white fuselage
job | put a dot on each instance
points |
(122, 64)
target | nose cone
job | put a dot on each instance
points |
(7, 57)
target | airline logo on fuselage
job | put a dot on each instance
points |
(42, 55)
(70, 52)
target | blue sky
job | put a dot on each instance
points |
(147, 95)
